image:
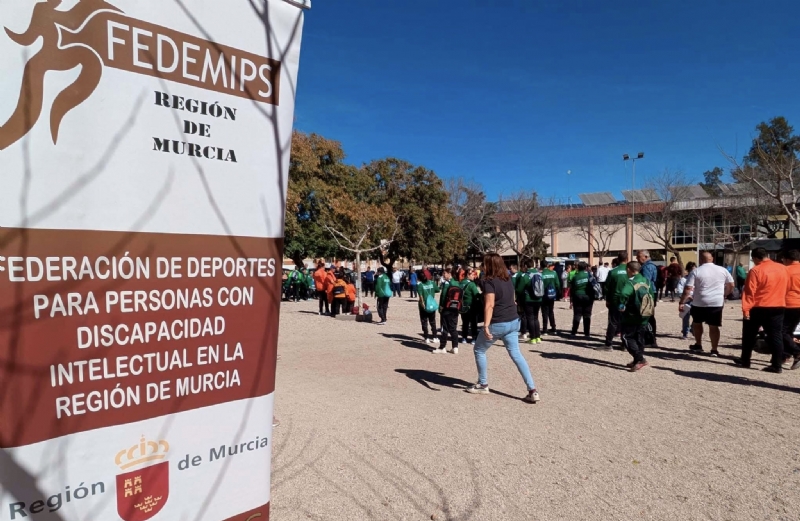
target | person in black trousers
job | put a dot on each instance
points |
(791, 317)
(581, 298)
(469, 317)
(549, 279)
(449, 316)
(763, 305)
(368, 282)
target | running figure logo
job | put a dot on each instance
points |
(47, 23)
(95, 34)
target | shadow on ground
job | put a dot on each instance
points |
(578, 358)
(731, 379)
(409, 341)
(426, 378)
(670, 354)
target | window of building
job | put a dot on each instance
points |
(682, 235)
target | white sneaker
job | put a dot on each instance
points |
(463, 340)
(524, 336)
(428, 341)
(478, 389)
(436, 340)
(438, 351)
(532, 397)
(454, 351)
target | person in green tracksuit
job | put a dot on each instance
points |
(427, 290)
(633, 324)
(449, 316)
(741, 276)
(581, 300)
(383, 290)
(291, 285)
(529, 302)
(302, 285)
(616, 280)
(309, 284)
(551, 287)
(469, 307)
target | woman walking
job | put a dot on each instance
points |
(500, 322)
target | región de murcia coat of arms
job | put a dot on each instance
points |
(142, 493)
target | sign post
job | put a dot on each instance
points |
(142, 196)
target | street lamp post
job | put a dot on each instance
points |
(625, 158)
(569, 190)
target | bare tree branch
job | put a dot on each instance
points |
(599, 231)
(658, 222)
(525, 222)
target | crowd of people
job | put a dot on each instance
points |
(516, 304)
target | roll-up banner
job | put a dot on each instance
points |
(144, 156)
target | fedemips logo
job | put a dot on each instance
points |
(142, 493)
(95, 34)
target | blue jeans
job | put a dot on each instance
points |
(508, 332)
(686, 328)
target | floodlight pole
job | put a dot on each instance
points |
(625, 158)
(569, 190)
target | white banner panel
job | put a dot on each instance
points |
(144, 153)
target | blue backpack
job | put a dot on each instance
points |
(431, 304)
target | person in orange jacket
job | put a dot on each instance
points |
(320, 275)
(350, 291)
(330, 278)
(763, 305)
(791, 317)
(337, 294)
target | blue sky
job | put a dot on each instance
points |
(513, 94)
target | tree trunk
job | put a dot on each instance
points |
(358, 281)
(669, 248)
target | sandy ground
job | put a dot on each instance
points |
(373, 426)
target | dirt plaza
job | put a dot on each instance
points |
(373, 426)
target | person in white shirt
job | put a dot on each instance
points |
(602, 275)
(397, 277)
(708, 285)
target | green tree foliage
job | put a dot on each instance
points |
(325, 194)
(772, 168)
(316, 171)
(775, 142)
(712, 178)
(428, 231)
